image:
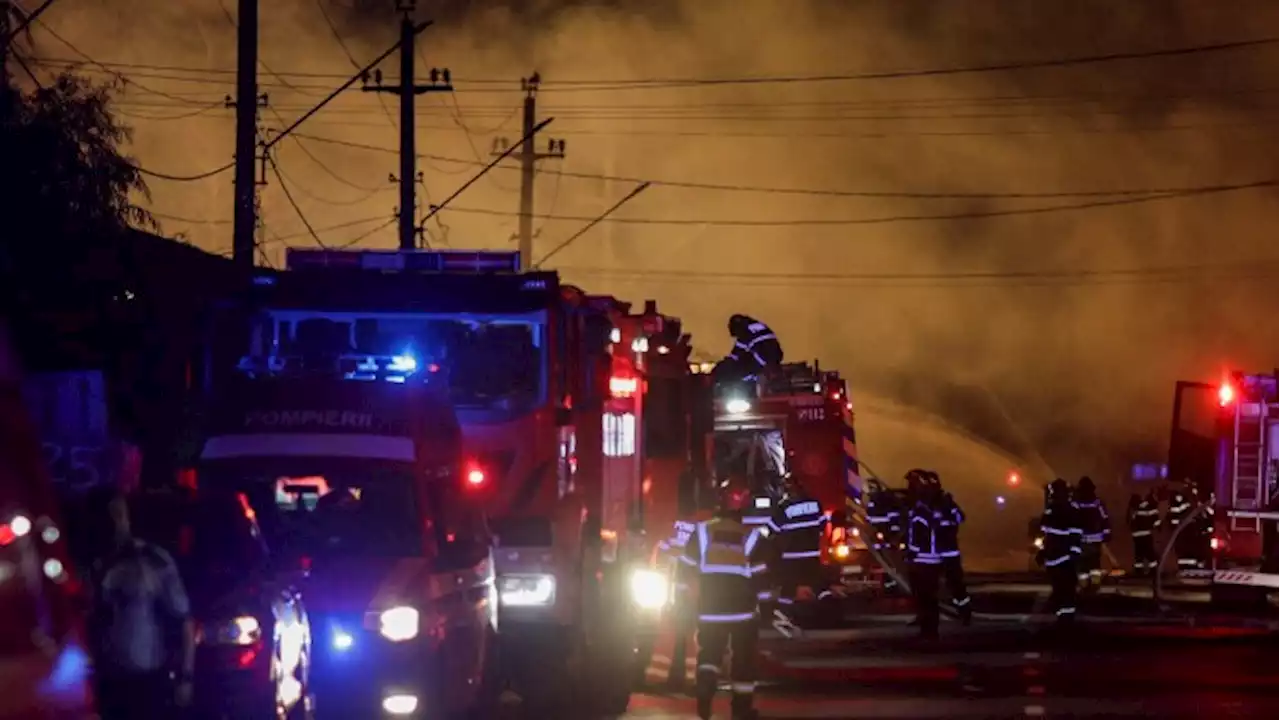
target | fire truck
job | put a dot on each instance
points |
(811, 411)
(1244, 489)
(547, 384)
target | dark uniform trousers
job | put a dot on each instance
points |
(684, 624)
(739, 639)
(924, 587)
(134, 696)
(1063, 587)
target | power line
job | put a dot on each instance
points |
(818, 192)
(1077, 273)
(607, 84)
(893, 219)
(289, 196)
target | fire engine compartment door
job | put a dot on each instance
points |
(817, 454)
(757, 454)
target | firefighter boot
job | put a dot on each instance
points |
(707, 685)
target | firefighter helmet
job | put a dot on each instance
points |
(1057, 490)
(916, 478)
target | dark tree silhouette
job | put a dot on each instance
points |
(64, 173)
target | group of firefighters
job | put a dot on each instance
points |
(1191, 545)
(743, 561)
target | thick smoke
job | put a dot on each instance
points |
(1083, 366)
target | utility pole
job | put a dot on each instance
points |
(246, 105)
(408, 90)
(529, 158)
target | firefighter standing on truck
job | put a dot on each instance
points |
(728, 559)
(1062, 533)
(950, 517)
(922, 550)
(755, 348)
(800, 523)
(1144, 519)
(1095, 525)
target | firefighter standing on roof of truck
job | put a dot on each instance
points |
(1095, 525)
(885, 518)
(728, 559)
(800, 524)
(755, 348)
(949, 518)
(1062, 533)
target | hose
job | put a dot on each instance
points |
(1157, 582)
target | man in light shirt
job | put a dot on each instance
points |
(140, 627)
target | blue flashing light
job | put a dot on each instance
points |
(342, 641)
(1000, 500)
(403, 363)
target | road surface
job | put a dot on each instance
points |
(1010, 670)
(1123, 659)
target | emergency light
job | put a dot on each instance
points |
(737, 406)
(475, 477)
(623, 386)
(422, 261)
(1226, 394)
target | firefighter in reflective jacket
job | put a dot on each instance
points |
(885, 517)
(755, 348)
(1144, 518)
(1095, 526)
(922, 549)
(799, 524)
(1181, 503)
(684, 614)
(949, 518)
(729, 560)
(1062, 538)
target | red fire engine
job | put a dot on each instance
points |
(548, 385)
(811, 409)
(1247, 448)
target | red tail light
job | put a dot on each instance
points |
(1215, 544)
(475, 477)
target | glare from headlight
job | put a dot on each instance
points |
(398, 624)
(737, 406)
(1039, 543)
(243, 630)
(649, 589)
(526, 590)
(841, 551)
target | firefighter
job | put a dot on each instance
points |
(755, 348)
(1095, 526)
(728, 558)
(922, 550)
(885, 517)
(684, 615)
(800, 524)
(1062, 548)
(949, 517)
(1181, 503)
(1144, 518)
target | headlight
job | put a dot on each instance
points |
(1039, 543)
(841, 551)
(398, 624)
(737, 406)
(649, 589)
(243, 630)
(526, 590)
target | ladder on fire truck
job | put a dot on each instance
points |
(1253, 476)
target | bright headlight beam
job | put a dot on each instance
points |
(526, 590)
(649, 589)
(398, 624)
(737, 406)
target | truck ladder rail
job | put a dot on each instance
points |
(1248, 464)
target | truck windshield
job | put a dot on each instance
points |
(370, 513)
(495, 362)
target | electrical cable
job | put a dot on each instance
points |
(817, 192)
(296, 208)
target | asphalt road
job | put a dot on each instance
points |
(1008, 670)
